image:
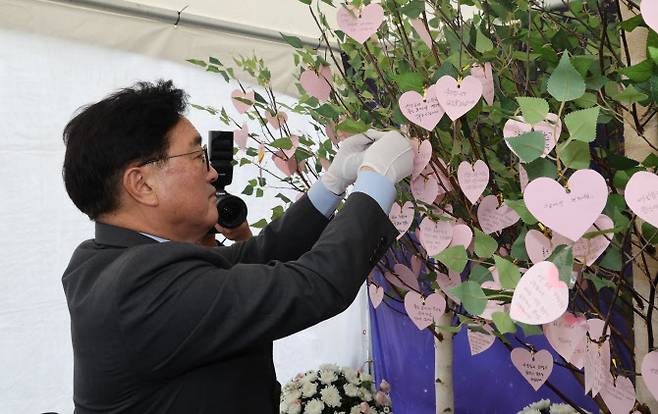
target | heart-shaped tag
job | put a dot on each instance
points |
(597, 358)
(569, 214)
(318, 84)
(422, 111)
(649, 10)
(537, 246)
(493, 218)
(403, 278)
(619, 395)
(425, 189)
(419, 27)
(447, 282)
(473, 179)
(287, 165)
(242, 107)
(435, 236)
(458, 98)
(540, 296)
(290, 152)
(566, 333)
(485, 76)
(276, 120)
(479, 342)
(360, 25)
(523, 178)
(376, 294)
(535, 368)
(401, 217)
(588, 250)
(461, 236)
(641, 195)
(416, 264)
(422, 156)
(424, 312)
(649, 369)
(551, 127)
(241, 135)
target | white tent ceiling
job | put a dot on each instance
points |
(218, 28)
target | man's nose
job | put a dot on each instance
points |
(212, 174)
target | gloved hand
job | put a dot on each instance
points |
(345, 166)
(391, 155)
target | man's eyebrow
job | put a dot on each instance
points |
(197, 141)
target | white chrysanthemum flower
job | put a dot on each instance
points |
(330, 396)
(295, 407)
(365, 394)
(365, 377)
(541, 404)
(351, 390)
(529, 411)
(372, 411)
(292, 396)
(355, 410)
(314, 406)
(351, 376)
(327, 376)
(329, 367)
(562, 409)
(309, 377)
(309, 389)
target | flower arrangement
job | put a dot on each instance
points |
(332, 389)
(546, 407)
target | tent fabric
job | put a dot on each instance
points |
(43, 80)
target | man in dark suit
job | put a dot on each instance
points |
(161, 324)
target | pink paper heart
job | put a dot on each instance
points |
(523, 178)
(360, 25)
(537, 246)
(597, 358)
(619, 395)
(461, 236)
(401, 217)
(569, 214)
(551, 127)
(419, 27)
(485, 76)
(493, 218)
(290, 153)
(649, 10)
(473, 179)
(276, 120)
(422, 157)
(416, 264)
(535, 368)
(649, 369)
(566, 333)
(447, 282)
(241, 106)
(540, 297)
(588, 250)
(423, 111)
(403, 278)
(479, 342)
(330, 131)
(287, 165)
(317, 84)
(492, 305)
(425, 189)
(376, 294)
(241, 135)
(457, 99)
(435, 236)
(445, 184)
(641, 195)
(424, 312)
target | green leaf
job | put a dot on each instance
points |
(639, 72)
(518, 247)
(479, 274)
(471, 296)
(485, 245)
(620, 162)
(328, 110)
(503, 322)
(454, 258)
(282, 143)
(306, 1)
(351, 126)
(521, 210)
(197, 62)
(612, 259)
(651, 161)
(259, 224)
(630, 95)
(482, 43)
(575, 155)
(293, 41)
(630, 24)
(653, 54)
(413, 8)
(530, 330)
(565, 83)
(534, 109)
(528, 146)
(599, 283)
(582, 124)
(508, 273)
(562, 257)
(541, 167)
(410, 81)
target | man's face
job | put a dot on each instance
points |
(186, 197)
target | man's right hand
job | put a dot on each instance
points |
(391, 155)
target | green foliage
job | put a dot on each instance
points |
(471, 296)
(454, 258)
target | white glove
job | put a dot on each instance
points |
(345, 166)
(392, 156)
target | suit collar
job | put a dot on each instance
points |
(110, 235)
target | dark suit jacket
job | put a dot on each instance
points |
(179, 328)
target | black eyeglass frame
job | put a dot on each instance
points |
(203, 150)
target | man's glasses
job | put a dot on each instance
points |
(203, 151)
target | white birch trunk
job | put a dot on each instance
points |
(443, 368)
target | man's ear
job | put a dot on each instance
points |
(136, 183)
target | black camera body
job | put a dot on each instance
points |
(231, 209)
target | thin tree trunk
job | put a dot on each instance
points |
(443, 368)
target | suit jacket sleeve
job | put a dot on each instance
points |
(181, 309)
(284, 239)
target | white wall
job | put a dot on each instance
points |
(42, 81)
